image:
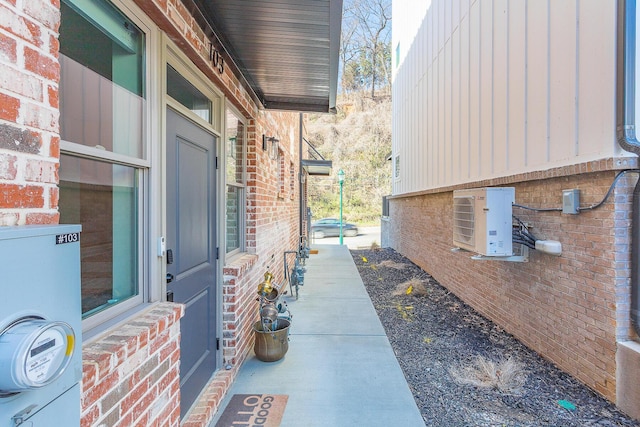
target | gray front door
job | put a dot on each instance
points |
(191, 240)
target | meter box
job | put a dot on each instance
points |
(40, 326)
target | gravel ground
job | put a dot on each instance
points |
(463, 369)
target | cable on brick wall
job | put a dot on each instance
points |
(586, 208)
(522, 235)
(613, 184)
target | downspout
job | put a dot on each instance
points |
(627, 135)
(300, 172)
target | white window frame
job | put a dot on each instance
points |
(242, 215)
(97, 323)
(181, 64)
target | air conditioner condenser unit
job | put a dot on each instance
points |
(482, 220)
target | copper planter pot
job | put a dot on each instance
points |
(270, 346)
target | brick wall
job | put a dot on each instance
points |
(240, 310)
(272, 210)
(29, 141)
(571, 309)
(272, 228)
(131, 375)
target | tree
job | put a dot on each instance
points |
(351, 77)
(366, 45)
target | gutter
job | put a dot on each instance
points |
(627, 137)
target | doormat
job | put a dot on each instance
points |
(248, 410)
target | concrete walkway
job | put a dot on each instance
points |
(340, 370)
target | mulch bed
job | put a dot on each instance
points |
(439, 341)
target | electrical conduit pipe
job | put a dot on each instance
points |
(628, 140)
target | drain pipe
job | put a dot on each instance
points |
(300, 172)
(627, 137)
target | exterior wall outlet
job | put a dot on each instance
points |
(571, 201)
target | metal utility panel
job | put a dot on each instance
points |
(571, 201)
(40, 326)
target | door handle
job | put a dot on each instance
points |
(170, 277)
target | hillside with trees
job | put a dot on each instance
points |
(358, 140)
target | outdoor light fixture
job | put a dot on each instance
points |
(273, 150)
(341, 182)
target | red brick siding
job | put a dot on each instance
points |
(116, 366)
(570, 309)
(29, 112)
(131, 376)
(271, 228)
(271, 222)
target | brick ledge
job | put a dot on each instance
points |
(106, 353)
(239, 264)
(209, 401)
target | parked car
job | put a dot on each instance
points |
(330, 227)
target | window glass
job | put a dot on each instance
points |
(281, 173)
(235, 189)
(234, 207)
(235, 150)
(188, 95)
(101, 78)
(102, 106)
(103, 197)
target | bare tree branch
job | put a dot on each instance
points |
(366, 44)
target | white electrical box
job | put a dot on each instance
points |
(482, 220)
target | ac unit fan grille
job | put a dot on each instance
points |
(464, 220)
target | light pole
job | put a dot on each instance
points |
(341, 181)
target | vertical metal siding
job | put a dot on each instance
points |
(596, 81)
(516, 93)
(489, 88)
(563, 75)
(465, 101)
(500, 86)
(474, 90)
(485, 147)
(456, 128)
(537, 83)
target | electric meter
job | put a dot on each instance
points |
(33, 353)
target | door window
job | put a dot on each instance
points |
(188, 95)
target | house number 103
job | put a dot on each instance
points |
(216, 58)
